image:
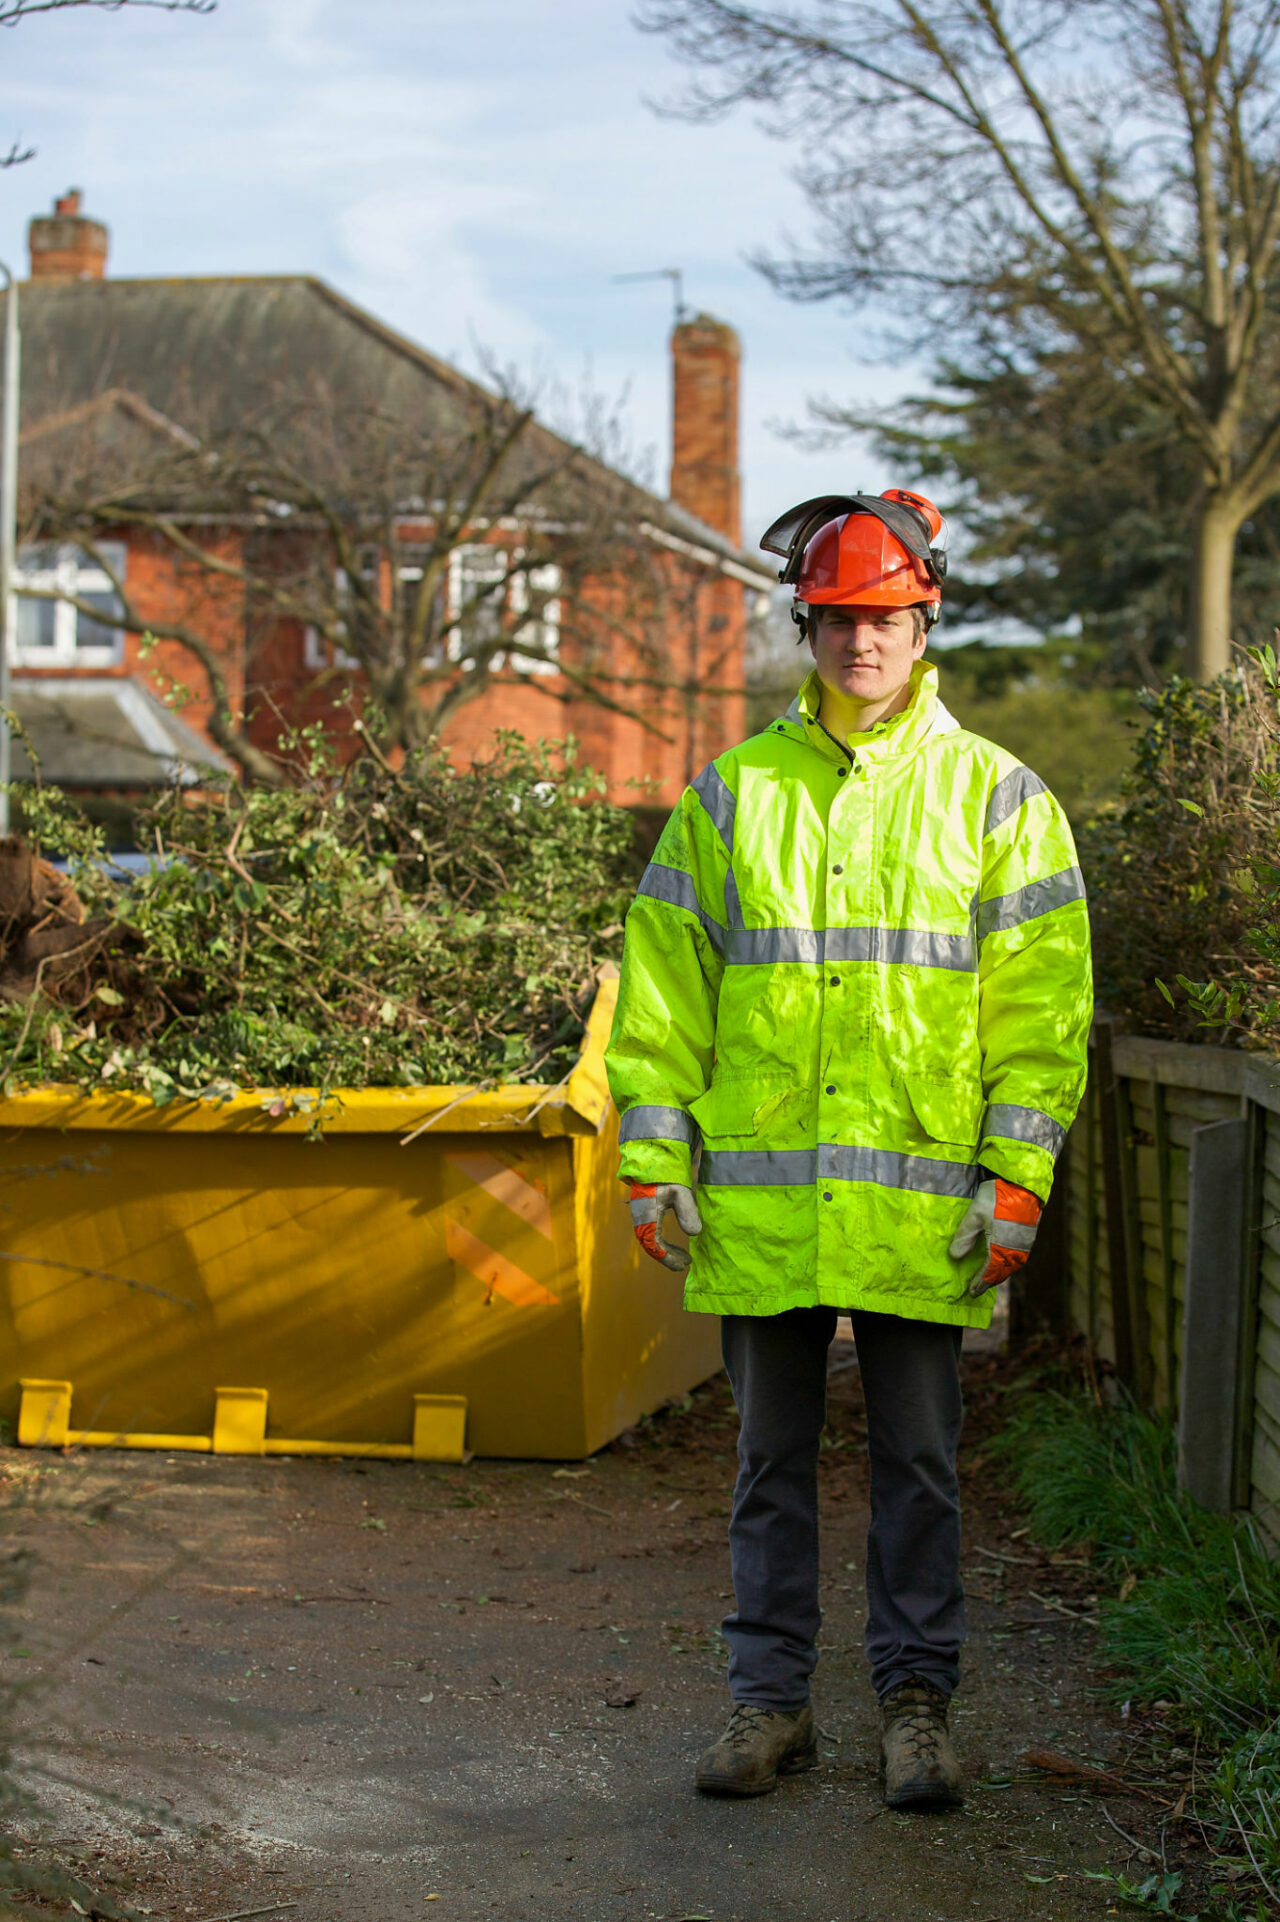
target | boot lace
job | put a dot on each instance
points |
(921, 1715)
(747, 1720)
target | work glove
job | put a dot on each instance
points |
(1008, 1216)
(649, 1204)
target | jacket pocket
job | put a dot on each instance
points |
(738, 1108)
(947, 1108)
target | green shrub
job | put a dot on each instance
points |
(1181, 886)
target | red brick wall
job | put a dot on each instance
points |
(649, 753)
(697, 645)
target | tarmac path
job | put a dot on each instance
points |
(337, 1690)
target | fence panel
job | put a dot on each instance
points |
(1129, 1216)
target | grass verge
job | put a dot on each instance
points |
(1195, 1617)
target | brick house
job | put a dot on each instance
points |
(117, 375)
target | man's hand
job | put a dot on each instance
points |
(1008, 1216)
(649, 1204)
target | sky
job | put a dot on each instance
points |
(474, 172)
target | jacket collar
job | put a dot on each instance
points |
(901, 734)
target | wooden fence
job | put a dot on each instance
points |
(1167, 1245)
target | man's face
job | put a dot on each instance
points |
(865, 653)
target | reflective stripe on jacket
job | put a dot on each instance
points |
(852, 978)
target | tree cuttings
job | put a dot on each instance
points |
(1044, 170)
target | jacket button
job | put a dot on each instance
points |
(831, 1087)
(834, 981)
(837, 869)
(826, 1197)
(842, 771)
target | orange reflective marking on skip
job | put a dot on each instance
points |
(500, 1180)
(498, 1275)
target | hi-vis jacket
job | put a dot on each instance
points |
(854, 978)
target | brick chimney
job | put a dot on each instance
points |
(704, 429)
(65, 245)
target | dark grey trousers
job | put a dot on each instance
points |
(777, 1366)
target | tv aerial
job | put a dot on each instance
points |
(675, 275)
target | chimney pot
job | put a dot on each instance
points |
(65, 245)
(705, 354)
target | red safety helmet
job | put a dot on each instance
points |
(870, 550)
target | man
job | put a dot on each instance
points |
(857, 977)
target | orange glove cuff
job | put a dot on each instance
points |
(646, 1232)
(1016, 1204)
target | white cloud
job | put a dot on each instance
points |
(408, 257)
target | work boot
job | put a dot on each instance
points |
(759, 1745)
(918, 1766)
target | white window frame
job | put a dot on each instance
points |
(435, 651)
(544, 630)
(523, 584)
(464, 578)
(316, 650)
(73, 572)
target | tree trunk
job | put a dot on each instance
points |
(1212, 561)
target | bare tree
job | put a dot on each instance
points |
(1106, 171)
(12, 11)
(420, 558)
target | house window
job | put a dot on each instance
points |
(486, 583)
(537, 590)
(413, 572)
(477, 576)
(53, 633)
(318, 653)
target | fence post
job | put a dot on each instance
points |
(1214, 1313)
(1164, 1198)
(1250, 1290)
(1091, 1207)
(1124, 1241)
